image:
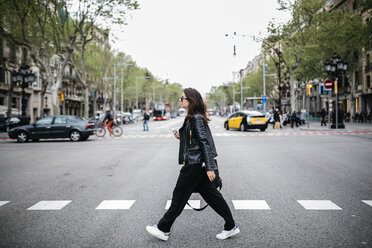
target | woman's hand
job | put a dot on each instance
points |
(211, 175)
(175, 133)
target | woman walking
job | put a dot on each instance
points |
(196, 153)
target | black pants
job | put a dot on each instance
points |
(194, 178)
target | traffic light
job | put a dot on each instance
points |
(61, 97)
(308, 89)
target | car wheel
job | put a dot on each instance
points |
(263, 129)
(242, 128)
(75, 135)
(22, 137)
(227, 126)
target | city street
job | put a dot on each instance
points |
(285, 188)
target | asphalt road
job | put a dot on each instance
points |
(278, 169)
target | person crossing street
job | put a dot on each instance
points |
(196, 152)
(146, 118)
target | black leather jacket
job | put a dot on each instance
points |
(196, 143)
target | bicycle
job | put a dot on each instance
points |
(101, 130)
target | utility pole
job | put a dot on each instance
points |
(121, 91)
(114, 107)
(241, 89)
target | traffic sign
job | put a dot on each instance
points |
(264, 99)
(328, 84)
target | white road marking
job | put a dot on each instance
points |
(3, 203)
(318, 205)
(369, 202)
(193, 203)
(116, 204)
(49, 205)
(251, 204)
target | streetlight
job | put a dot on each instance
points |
(121, 98)
(137, 88)
(23, 78)
(335, 68)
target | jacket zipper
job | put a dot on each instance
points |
(190, 136)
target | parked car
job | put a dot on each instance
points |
(9, 124)
(210, 112)
(181, 112)
(59, 126)
(136, 114)
(244, 120)
(127, 118)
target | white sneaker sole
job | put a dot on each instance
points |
(235, 232)
(156, 235)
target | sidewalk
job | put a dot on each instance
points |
(315, 126)
(4, 135)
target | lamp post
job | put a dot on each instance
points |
(335, 68)
(121, 95)
(137, 88)
(23, 78)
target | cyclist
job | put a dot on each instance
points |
(109, 120)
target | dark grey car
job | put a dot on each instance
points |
(60, 126)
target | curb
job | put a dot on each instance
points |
(334, 130)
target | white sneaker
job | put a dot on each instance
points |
(154, 231)
(227, 234)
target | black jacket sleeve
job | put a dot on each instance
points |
(198, 125)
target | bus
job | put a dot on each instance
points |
(159, 112)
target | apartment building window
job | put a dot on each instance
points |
(2, 75)
(24, 55)
(356, 75)
(14, 102)
(12, 53)
(354, 5)
(2, 100)
(368, 79)
(1, 47)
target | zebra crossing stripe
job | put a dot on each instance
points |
(115, 204)
(251, 204)
(49, 205)
(193, 203)
(318, 205)
(368, 202)
(3, 203)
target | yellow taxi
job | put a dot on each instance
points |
(244, 120)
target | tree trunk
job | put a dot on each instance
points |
(86, 102)
(292, 84)
(55, 98)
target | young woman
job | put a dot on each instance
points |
(196, 153)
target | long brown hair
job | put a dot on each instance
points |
(196, 104)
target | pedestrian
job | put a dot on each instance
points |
(323, 114)
(146, 118)
(281, 119)
(294, 119)
(276, 117)
(198, 171)
(109, 120)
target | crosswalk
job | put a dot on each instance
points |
(129, 204)
(230, 134)
(239, 134)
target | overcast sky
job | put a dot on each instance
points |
(184, 40)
